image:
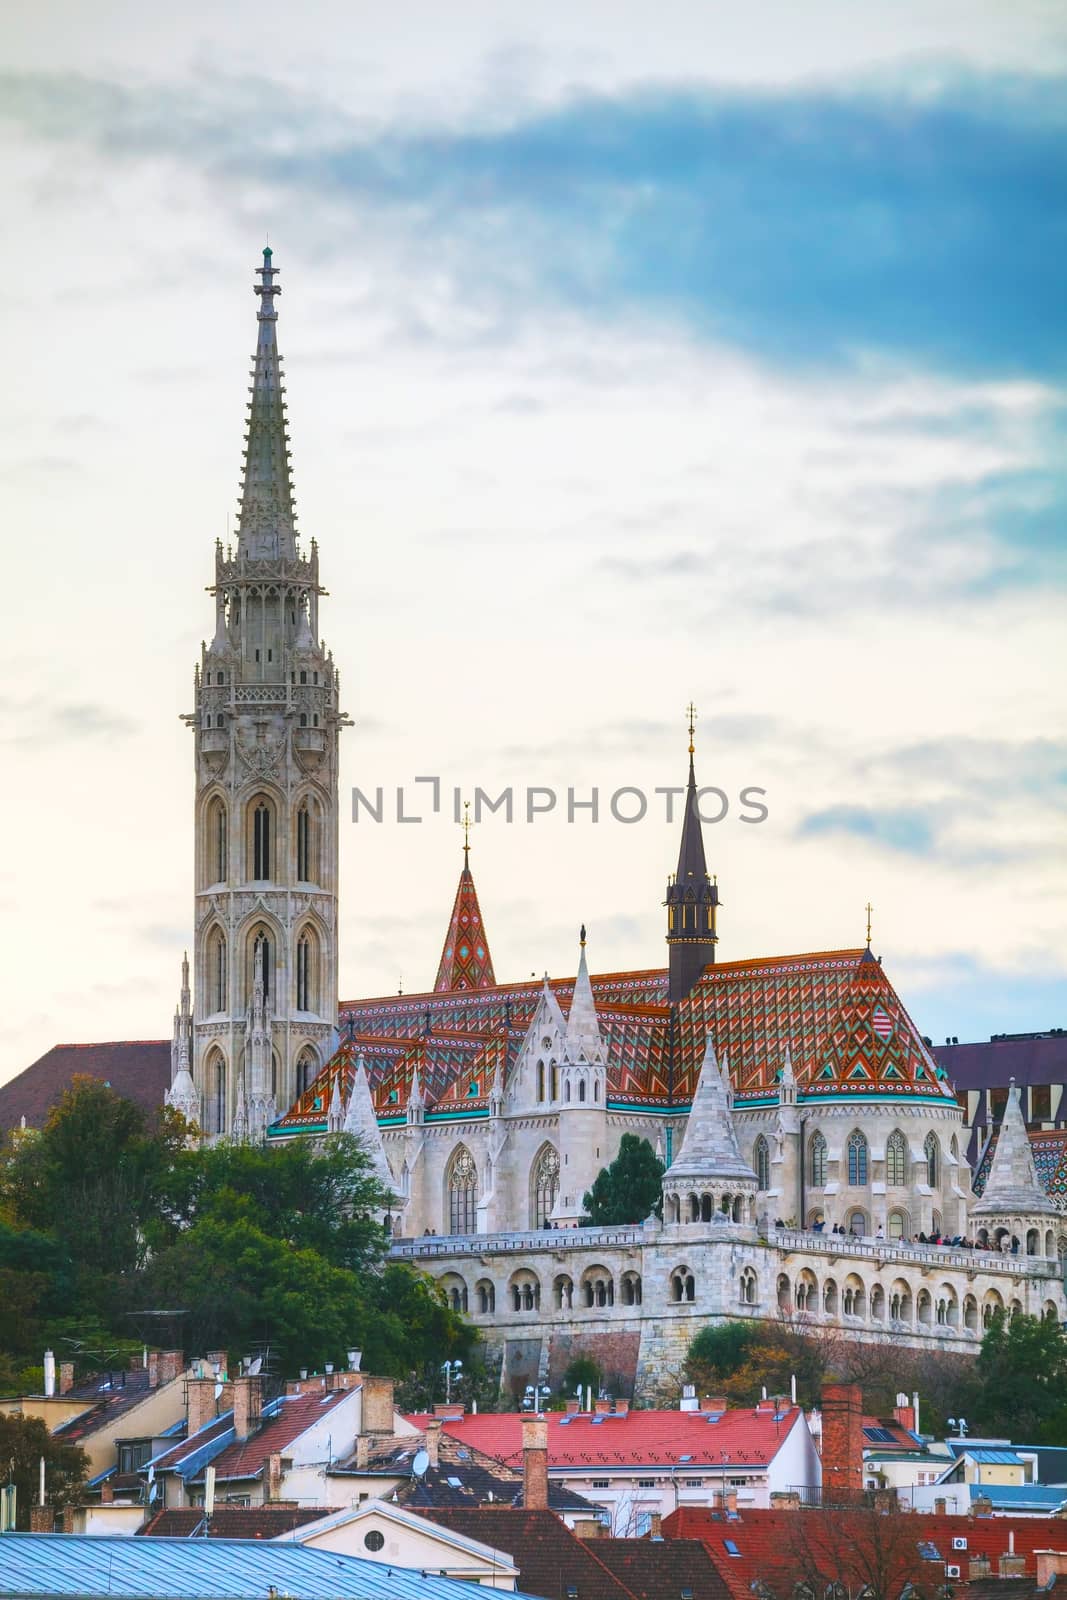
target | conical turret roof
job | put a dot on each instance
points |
(267, 518)
(465, 959)
(1013, 1187)
(583, 1029)
(361, 1120)
(709, 1148)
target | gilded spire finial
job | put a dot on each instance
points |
(467, 825)
(691, 713)
(869, 909)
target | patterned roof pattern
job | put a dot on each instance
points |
(847, 1030)
(465, 959)
(1049, 1147)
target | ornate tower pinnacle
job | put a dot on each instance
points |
(692, 897)
(465, 960)
(266, 723)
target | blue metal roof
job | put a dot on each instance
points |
(203, 1569)
(1020, 1496)
(995, 1458)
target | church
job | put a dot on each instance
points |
(808, 1134)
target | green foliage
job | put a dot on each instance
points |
(628, 1190)
(106, 1213)
(23, 1441)
(583, 1371)
(1021, 1392)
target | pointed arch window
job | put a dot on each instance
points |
(817, 1161)
(932, 1151)
(306, 1070)
(306, 863)
(545, 1186)
(462, 1193)
(261, 945)
(857, 1160)
(305, 968)
(261, 841)
(215, 1096)
(216, 970)
(761, 1161)
(216, 862)
(896, 1159)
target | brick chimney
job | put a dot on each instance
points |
(274, 1477)
(433, 1439)
(842, 1442)
(217, 1358)
(1050, 1564)
(785, 1500)
(534, 1463)
(153, 1369)
(42, 1519)
(979, 1567)
(66, 1377)
(247, 1405)
(377, 1404)
(588, 1528)
(1011, 1565)
(655, 1525)
(107, 1493)
(169, 1363)
(200, 1406)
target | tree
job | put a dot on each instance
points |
(23, 1441)
(1021, 1391)
(862, 1549)
(629, 1190)
(583, 1372)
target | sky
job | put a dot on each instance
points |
(636, 355)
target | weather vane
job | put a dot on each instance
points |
(691, 713)
(869, 909)
(467, 825)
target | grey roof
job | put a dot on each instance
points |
(1012, 1187)
(993, 1063)
(709, 1148)
(202, 1569)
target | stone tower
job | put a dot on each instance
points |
(266, 725)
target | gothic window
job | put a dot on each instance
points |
(896, 1158)
(306, 864)
(857, 1160)
(540, 1080)
(261, 841)
(761, 1160)
(306, 1070)
(555, 1081)
(462, 1193)
(216, 970)
(215, 843)
(817, 1161)
(581, 1089)
(215, 1095)
(932, 1151)
(305, 964)
(545, 1186)
(261, 945)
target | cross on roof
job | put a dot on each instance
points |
(691, 713)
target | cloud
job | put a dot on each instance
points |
(38, 723)
(909, 831)
(811, 225)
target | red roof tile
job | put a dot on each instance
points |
(552, 1562)
(641, 1438)
(139, 1069)
(246, 1458)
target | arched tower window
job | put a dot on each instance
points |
(306, 972)
(545, 1186)
(896, 1158)
(462, 1192)
(761, 1161)
(857, 1160)
(307, 862)
(262, 843)
(260, 943)
(216, 971)
(932, 1151)
(817, 1161)
(216, 861)
(215, 1093)
(307, 1068)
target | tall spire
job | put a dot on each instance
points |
(465, 959)
(1013, 1187)
(267, 519)
(583, 1029)
(692, 898)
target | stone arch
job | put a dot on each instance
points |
(216, 1096)
(306, 1069)
(1033, 1241)
(829, 1298)
(307, 837)
(214, 839)
(924, 1308)
(1050, 1243)
(806, 1291)
(858, 1223)
(1015, 1310)
(216, 969)
(630, 1288)
(261, 812)
(900, 1301)
(485, 1296)
(597, 1287)
(260, 928)
(948, 1306)
(854, 1296)
(455, 1291)
(307, 968)
(877, 1303)
(524, 1287)
(784, 1291)
(992, 1305)
(970, 1313)
(748, 1287)
(461, 1192)
(761, 1162)
(563, 1291)
(544, 1185)
(898, 1224)
(683, 1285)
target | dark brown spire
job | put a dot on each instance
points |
(692, 898)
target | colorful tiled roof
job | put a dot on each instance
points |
(848, 1032)
(465, 960)
(635, 1440)
(1049, 1147)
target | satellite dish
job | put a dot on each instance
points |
(420, 1463)
(218, 1389)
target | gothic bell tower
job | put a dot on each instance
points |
(692, 897)
(266, 725)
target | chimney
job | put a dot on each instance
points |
(905, 1415)
(602, 1408)
(200, 1408)
(153, 1369)
(534, 1463)
(377, 1405)
(66, 1519)
(66, 1377)
(362, 1452)
(729, 1501)
(886, 1500)
(169, 1364)
(218, 1360)
(714, 1402)
(274, 1477)
(940, 1506)
(979, 1567)
(588, 1528)
(49, 1375)
(247, 1405)
(785, 1499)
(842, 1441)
(433, 1439)
(42, 1519)
(655, 1525)
(622, 1408)
(981, 1506)
(107, 1493)
(1050, 1564)
(573, 1407)
(1011, 1565)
